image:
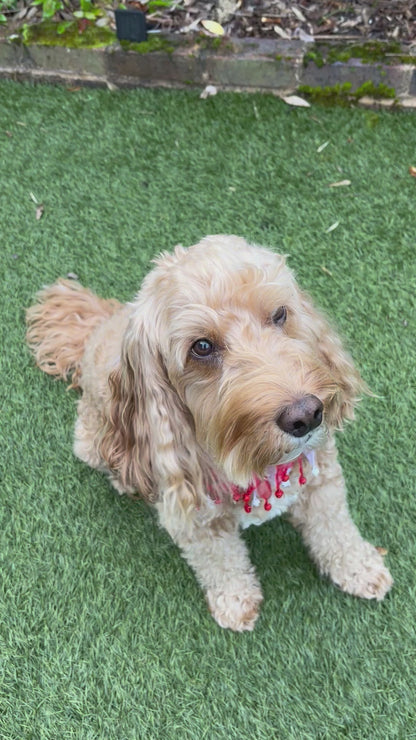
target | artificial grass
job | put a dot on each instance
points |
(104, 633)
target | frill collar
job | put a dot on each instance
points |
(275, 481)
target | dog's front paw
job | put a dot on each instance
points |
(235, 611)
(363, 573)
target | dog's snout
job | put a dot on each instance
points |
(301, 417)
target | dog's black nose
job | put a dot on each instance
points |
(301, 417)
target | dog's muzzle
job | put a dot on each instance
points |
(301, 417)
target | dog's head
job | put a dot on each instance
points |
(225, 357)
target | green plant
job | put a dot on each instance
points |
(372, 52)
(63, 27)
(79, 33)
(25, 33)
(154, 5)
(88, 11)
(344, 95)
(6, 5)
(49, 7)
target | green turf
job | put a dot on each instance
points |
(104, 633)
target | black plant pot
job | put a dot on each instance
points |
(130, 25)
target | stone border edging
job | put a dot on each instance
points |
(240, 64)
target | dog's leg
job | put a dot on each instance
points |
(87, 427)
(322, 516)
(222, 566)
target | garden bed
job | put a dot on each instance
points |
(319, 20)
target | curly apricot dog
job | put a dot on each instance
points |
(214, 395)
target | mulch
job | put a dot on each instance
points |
(308, 20)
(320, 20)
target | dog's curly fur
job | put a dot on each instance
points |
(180, 427)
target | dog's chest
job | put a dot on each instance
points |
(259, 515)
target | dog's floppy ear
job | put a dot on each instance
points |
(148, 439)
(349, 386)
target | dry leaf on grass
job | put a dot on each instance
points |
(39, 206)
(322, 147)
(296, 101)
(340, 184)
(332, 227)
(208, 92)
(326, 271)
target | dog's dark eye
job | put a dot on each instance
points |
(279, 316)
(202, 348)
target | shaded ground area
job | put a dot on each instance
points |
(308, 19)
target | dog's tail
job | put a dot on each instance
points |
(60, 323)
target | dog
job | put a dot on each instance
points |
(215, 396)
